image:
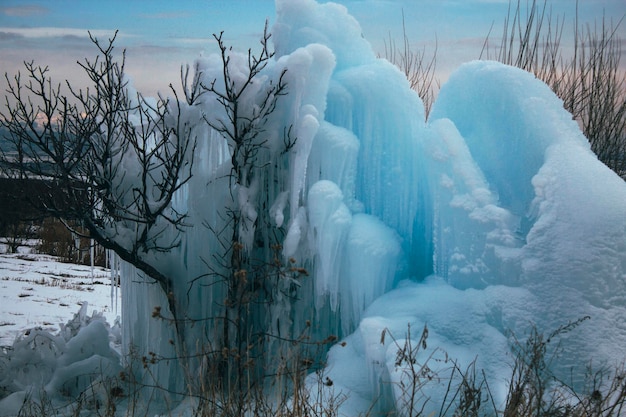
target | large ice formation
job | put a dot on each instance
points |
(491, 217)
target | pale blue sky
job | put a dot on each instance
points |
(161, 35)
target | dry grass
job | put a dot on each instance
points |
(589, 79)
(418, 67)
(534, 390)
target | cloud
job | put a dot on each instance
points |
(51, 32)
(166, 15)
(24, 11)
(199, 40)
(7, 36)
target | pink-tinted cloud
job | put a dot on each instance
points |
(54, 32)
(24, 11)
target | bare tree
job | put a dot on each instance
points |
(116, 161)
(250, 267)
(112, 161)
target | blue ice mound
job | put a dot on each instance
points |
(492, 216)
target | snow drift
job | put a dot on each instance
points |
(77, 362)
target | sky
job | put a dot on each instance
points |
(159, 35)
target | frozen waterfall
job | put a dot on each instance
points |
(493, 215)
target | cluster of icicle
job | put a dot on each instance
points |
(370, 194)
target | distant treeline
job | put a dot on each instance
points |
(25, 216)
(20, 199)
(23, 199)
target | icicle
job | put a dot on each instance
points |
(329, 222)
(277, 209)
(91, 256)
(77, 246)
(113, 263)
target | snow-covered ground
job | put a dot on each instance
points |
(40, 291)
